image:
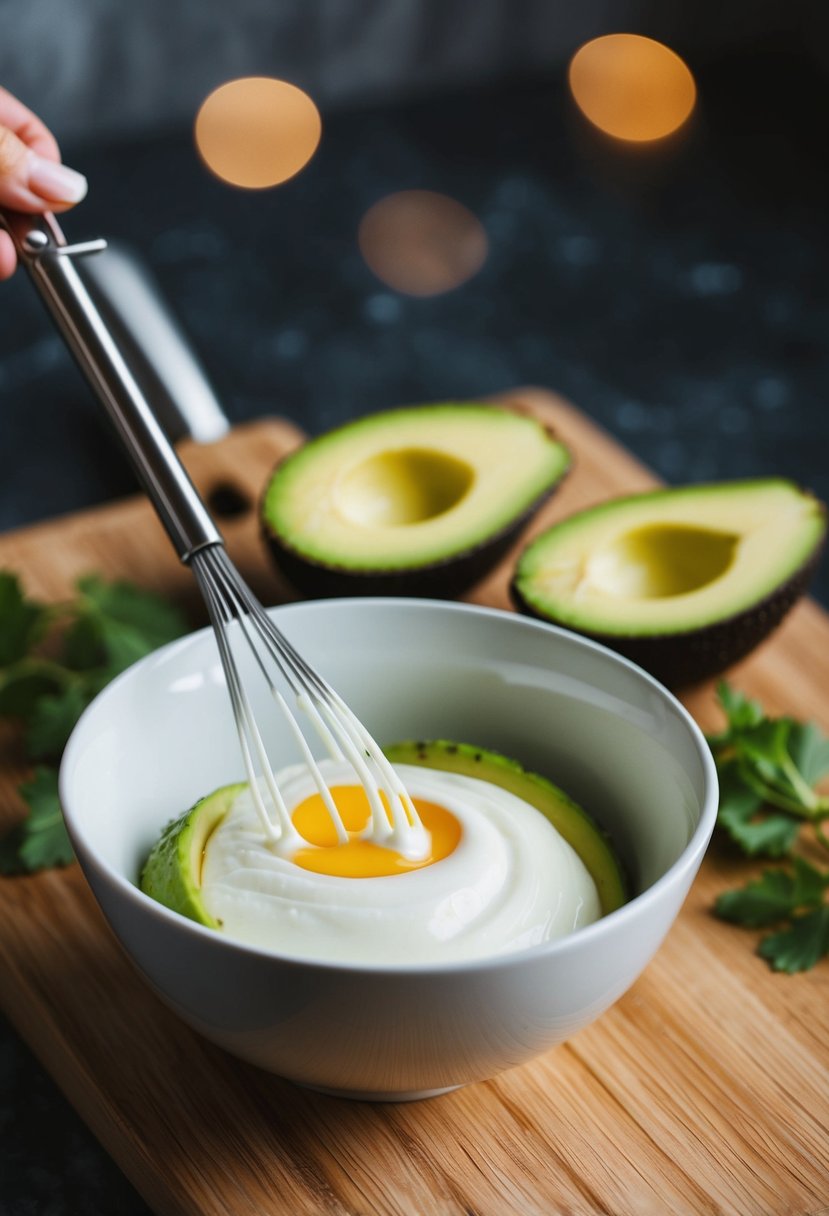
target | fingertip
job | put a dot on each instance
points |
(59, 208)
(56, 183)
(8, 257)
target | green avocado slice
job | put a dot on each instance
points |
(684, 581)
(419, 501)
(573, 824)
(172, 871)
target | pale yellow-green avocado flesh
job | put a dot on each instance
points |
(672, 560)
(411, 486)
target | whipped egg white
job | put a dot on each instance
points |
(510, 882)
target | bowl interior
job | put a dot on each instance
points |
(162, 735)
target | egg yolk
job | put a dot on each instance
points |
(363, 858)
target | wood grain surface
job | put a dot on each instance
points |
(704, 1090)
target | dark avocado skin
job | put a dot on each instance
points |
(679, 660)
(439, 580)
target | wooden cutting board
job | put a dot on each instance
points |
(704, 1090)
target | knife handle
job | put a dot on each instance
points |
(154, 345)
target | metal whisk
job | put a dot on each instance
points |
(235, 613)
(231, 602)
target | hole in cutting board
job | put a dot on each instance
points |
(227, 501)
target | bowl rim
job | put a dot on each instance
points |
(689, 858)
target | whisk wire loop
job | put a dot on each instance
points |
(250, 738)
(235, 609)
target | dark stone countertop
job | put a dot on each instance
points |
(680, 299)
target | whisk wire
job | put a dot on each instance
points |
(249, 735)
(239, 605)
(234, 607)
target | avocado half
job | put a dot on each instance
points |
(684, 581)
(172, 872)
(572, 823)
(420, 501)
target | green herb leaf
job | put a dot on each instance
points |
(774, 897)
(110, 626)
(760, 903)
(41, 840)
(738, 801)
(766, 836)
(778, 760)
(771, 834)
(24, 683)
(801, 946)
(115, 625)
(22, 621)
(83, 643)
(809, 750)
(768, 769)
(53, 720)
(141, 614)
(765, 744)
(809, 884)
(126, 644)
(739, 710)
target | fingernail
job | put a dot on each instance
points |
(54, 182)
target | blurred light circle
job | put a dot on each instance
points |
(631, 87)
(257, 132)
(422, 243)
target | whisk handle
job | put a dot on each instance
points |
(43, 251)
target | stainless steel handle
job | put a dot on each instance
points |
(43, 251)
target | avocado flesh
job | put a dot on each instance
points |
(412, 501)
(685, 581)
(575, 826)
(172, 871)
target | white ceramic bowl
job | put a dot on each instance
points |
(161, 736)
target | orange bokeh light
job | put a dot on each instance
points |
(257, 132)
(631, 87)
(422, 243)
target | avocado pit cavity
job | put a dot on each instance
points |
(662, 560)
(395, 489)
(417, 501)
(683, 581)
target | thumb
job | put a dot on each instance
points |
(29, 182)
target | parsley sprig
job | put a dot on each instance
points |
(54, 658)
(769, 769)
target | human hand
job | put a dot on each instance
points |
(32, 178)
